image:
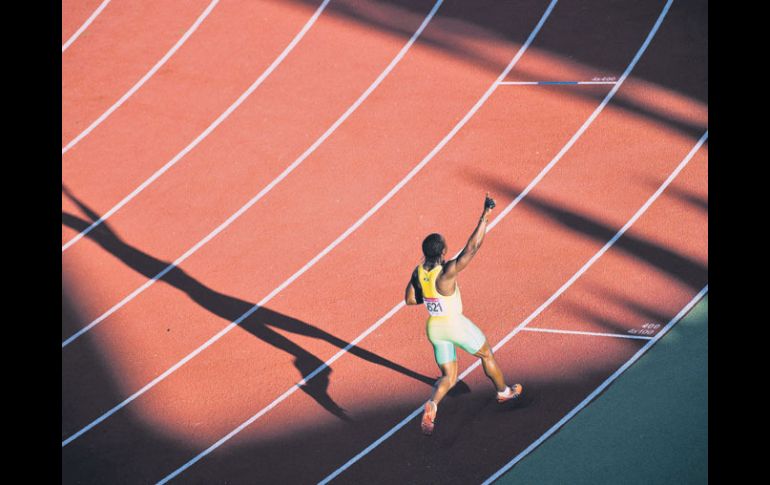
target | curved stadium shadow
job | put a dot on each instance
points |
(465, 426)
(81, 464)
(512, 21)
(467, 422)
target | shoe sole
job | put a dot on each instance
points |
(512, 398)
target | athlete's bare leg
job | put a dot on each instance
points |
(443, 385)
(446, 382)
(491, 369)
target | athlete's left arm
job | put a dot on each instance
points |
(413, 294)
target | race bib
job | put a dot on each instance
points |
(434, 307)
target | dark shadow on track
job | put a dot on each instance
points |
(681, 41)
(105, 461)
(685, 43)
(230, 308)
(681, 267)
(474, 437)
(683, 196)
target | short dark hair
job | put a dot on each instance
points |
(433, 246)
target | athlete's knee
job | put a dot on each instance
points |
(450, 373)
(448, 381)
(484, 353)
(452, 378)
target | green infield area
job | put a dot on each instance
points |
(649, 427)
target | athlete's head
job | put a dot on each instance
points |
(434, 247)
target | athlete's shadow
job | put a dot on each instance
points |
(229, 308)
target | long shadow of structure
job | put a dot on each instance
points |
(684, 196)
(503, 19)
(230, 308)
(685, 269)
(494, 19)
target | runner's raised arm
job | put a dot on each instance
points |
(474, 242)
(434, 283)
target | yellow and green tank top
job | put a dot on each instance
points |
(437, 304)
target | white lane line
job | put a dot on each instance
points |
(601, 388)
(307, 266)
(553, 83)
(594, 334)
(208, 130)
(270, 186)
(143, 80)
(593, 116)
(532, 316)
(401, 304)
(84, 26)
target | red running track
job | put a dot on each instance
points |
(74, 15)
(622, 158)
(122, 44)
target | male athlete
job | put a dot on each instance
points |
(434, 283)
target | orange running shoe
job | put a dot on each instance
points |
(428, 417)
(514, 392)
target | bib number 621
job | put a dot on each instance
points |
(434, 306)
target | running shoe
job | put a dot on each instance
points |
(428, 417)
(512, 393)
